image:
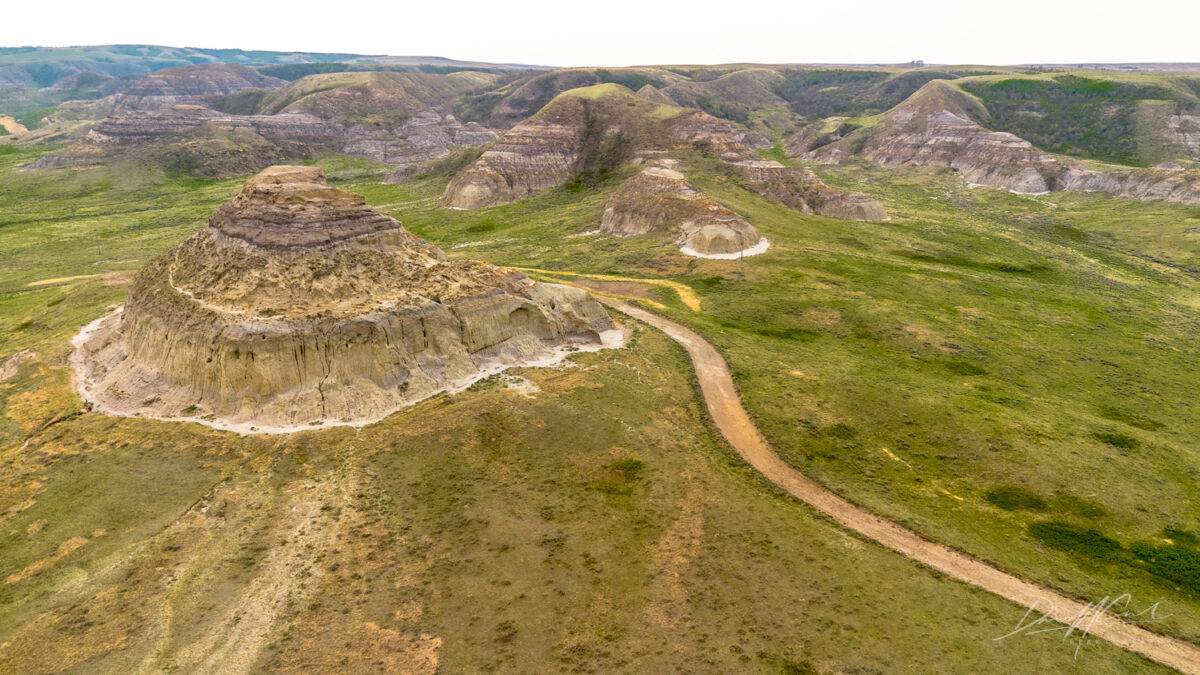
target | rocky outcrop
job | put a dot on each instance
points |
(193, 84)
(135, 126)
(607, 125)
(177, 130)
(1175, 185)
(937, 126)
(300, 306)
(540, 153)
(799, 189)
(940, 126)
(1184, 132)
(661, 198)
(427, 135)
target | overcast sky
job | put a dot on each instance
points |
(628, 32)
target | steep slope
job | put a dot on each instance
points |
(193, 84)
(607, 125)
(661, 198)
(299, 305)
(397, 118)
(941, 125)
(371, 97)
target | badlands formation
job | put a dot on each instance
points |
(938, 126)
(300, 306)
(608, 125)
(660, 197)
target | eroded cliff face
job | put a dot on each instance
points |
(300, 306)
(799, 189)
(1184, 131)
(608, 123)
(939, 125)
(193, 84)
(661, 198)
(171, 118)
(1156, 184)
(539, 153)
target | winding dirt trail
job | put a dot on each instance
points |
(735, 424)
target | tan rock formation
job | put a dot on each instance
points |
(539, 153)
(608, 125)
(940, 125)
(937, 127)
(193, 84)
(1176, 184)
(798, 188)
(299, 305)
(661, 198)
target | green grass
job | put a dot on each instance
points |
(1092, 117)
(982, 338)
(525, 532)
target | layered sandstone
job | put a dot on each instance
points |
(937, 127)
(300, 306)
(193, 84)
(607, 125)
(1167, 184)
(799, 189)
(661, 198)
(539, 153)
(940, 125)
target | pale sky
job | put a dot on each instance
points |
(628, 32)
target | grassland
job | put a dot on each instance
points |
(598, 525)
(979, 340)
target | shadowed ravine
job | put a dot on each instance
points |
(721, 399)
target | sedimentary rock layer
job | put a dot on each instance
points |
(607, 125)
(939, 126)
(300, 306)
(661, 198)
(538, 153)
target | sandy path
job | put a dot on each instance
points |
(686, 294)
(731, 419)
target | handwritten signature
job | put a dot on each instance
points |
(1039, 618)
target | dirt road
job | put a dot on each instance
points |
(731, 419)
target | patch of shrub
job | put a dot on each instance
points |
(706, 283)
(485, 226)
(1181, 536)
(1175, 563)
(628, 467)
(1084, 541)
(1117, 440)
(1015, 498)
(840, 430)
(1132, 420)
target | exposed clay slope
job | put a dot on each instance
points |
(1167, 184)
(609, 124)
(373, 97)
(300, 305)
(798, 188)
(660, 198)
(190, 84)
(938, 126)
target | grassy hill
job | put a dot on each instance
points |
(1103, 117)
(502, 528)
